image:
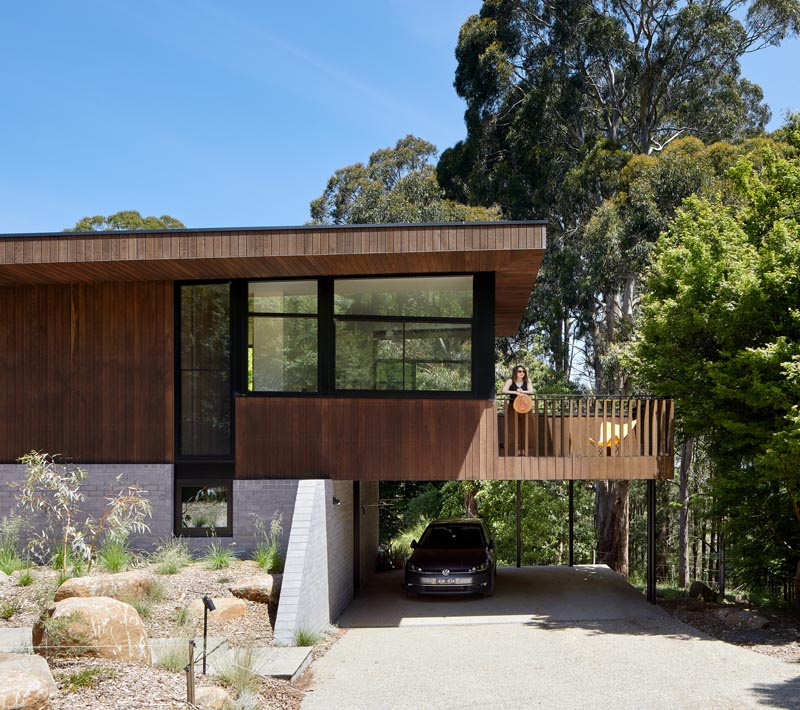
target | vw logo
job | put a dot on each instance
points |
(445, 572)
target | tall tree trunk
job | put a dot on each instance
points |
(683, 519)
(613, 524)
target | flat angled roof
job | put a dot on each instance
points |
(513, 250)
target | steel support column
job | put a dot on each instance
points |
(519, 524)
(571, 523)
(651, 541)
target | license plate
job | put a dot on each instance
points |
(453, 580)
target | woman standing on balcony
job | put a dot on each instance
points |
(519, 383)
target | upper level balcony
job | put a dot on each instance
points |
(562, 438)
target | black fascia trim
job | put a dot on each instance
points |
(483, 338)
(287, 228)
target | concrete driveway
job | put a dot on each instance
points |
(551, 637)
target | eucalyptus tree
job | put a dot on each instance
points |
(552, 86)
(127, 220)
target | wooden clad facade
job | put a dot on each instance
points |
(389, 439)
(87, 371)
(513, 250)
(87, 360)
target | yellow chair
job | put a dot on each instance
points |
(612, 434)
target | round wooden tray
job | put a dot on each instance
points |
(523, 404)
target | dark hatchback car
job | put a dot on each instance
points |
(452, 557)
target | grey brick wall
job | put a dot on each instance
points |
(340, 546)
(156, 479)
(264, 498)
(304, 602)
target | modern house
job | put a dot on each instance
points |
(242, 372)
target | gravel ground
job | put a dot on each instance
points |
(132, 686)
(781, 639)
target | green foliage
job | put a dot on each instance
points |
(143, 602)
(174, 655)
(114, 556)
(26, 578)
(64, 636)
(399, 548)
(127, 220)
(13, 529)
(10, 608)
(182, 616)
(720, 331)
(219, 555)
(267, 551)
(240, 672)
(84, 678)
(171, 555)
(304, 637)
(397, 185)
(54, 491)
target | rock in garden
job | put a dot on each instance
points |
(96, 626)
(28, 663)
(698, 590)
(212, 698)
(128, 585)
(743, 619)
(226, 609)
(259, 588)
(22, 691)
(4, 577)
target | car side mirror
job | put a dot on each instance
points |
(491, 545)
(413, 544)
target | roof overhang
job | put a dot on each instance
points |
(512, 250)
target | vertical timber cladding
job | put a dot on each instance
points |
(347, 438)
(87, 371)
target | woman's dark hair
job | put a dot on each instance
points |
(524, 375)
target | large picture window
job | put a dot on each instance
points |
(282, 336)
(205, 370)
(404, 334)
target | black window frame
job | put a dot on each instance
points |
(202, 482)
(245, 386)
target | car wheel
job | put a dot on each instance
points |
(490, 589)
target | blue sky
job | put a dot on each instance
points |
(228, 113)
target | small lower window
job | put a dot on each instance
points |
(204, 509)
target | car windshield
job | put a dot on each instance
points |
(456, 537)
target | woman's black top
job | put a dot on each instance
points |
(514, 386)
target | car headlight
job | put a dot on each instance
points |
(481, 567)
(414, 568)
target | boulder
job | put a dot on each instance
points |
(31, 664)
(743, 619)
(95, 626)
(261, 588)
(212, 698)
(226, 609)
(22, 691)
(698, 590)
(4, 577)
(126, 585)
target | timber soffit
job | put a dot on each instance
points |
(513, 250)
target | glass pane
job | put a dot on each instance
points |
(282, 296)
(284, 354)
(438, 356)
(204, 507)
(205, 327)
(205, 413)
(403, 356)
(427, 296)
